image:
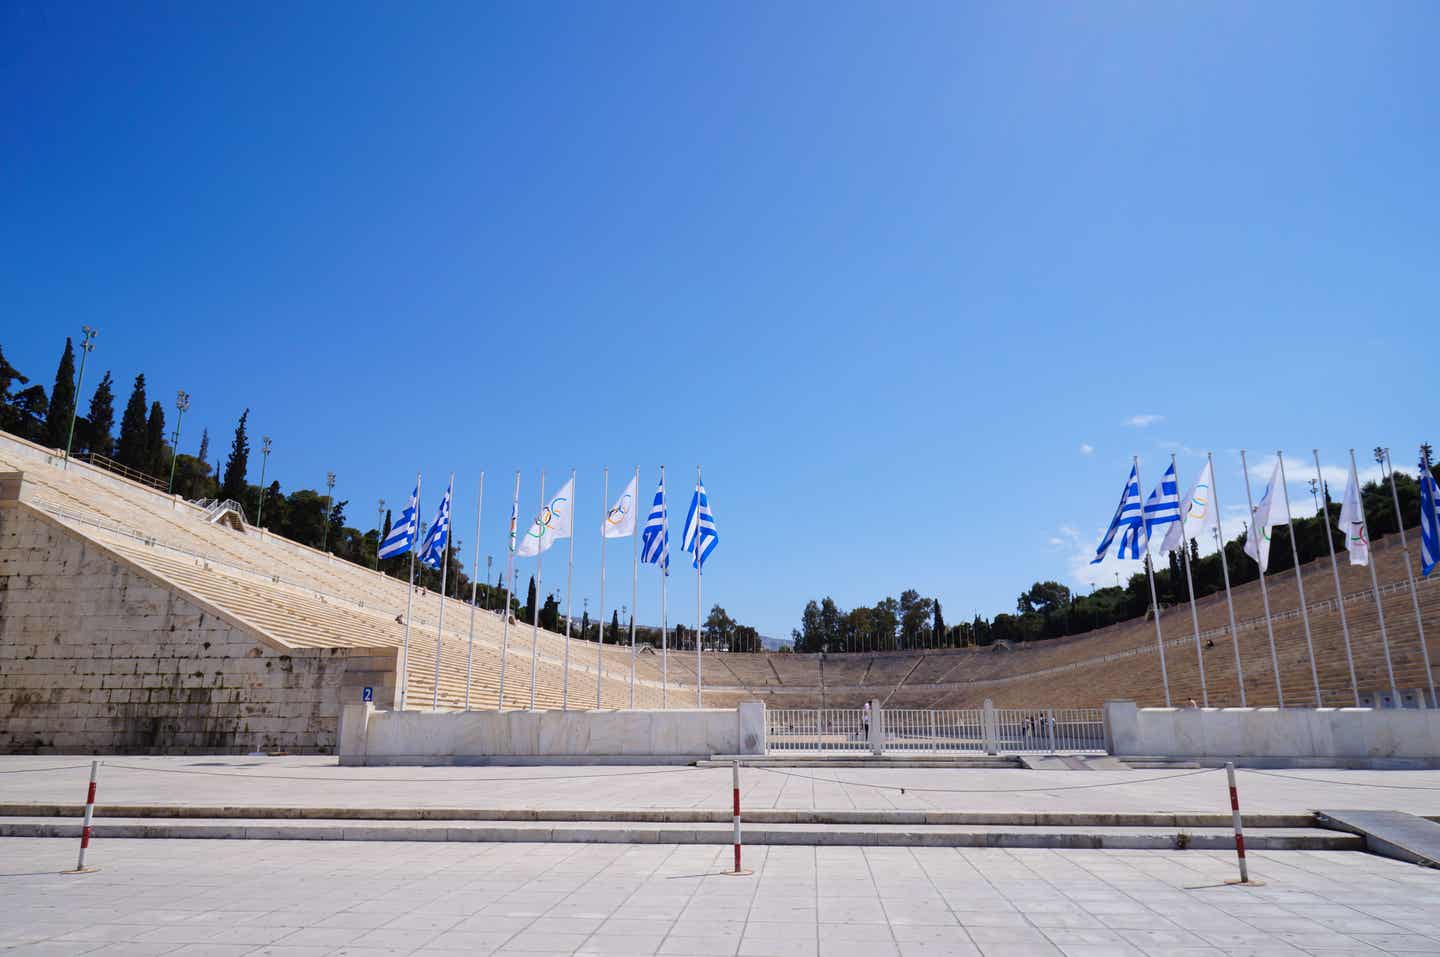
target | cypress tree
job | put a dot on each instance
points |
(155, 440)
(101, 419)
(939, 624)
(204, 454)
(62, 400)
(233, 485)
(530, 599)
(131, 449)
(615, 626)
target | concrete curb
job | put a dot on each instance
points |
(1125, 838)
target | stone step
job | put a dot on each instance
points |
(898, 835)
(887, 817)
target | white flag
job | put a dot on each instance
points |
(1197, 510)
(555, 521)
(1352, 522)
(1266, 517)
(620, 520)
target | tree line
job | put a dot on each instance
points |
(1048, 609)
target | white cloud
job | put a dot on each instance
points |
(1144, 419)
(1086, 448)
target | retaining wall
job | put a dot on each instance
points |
(372, 737)
(1358, 737)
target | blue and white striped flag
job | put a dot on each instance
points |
(1163, 506)
(1429, 521)
(432, 551)
(699, 536)
(1127, 517)
(655, 538)
(402, 534)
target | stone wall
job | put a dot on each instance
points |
(371, 737)
(1323, 737)
(98, 656)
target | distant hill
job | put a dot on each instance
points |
(775, 644)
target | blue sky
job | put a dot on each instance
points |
(901, 277)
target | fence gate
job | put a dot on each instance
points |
(816, 729)
(953, 731)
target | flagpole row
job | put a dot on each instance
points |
(1190, 585)
(1374, 580)
(1299, 579)
(474, 583)
(444, 570)
(509, 587)
(409, 600)
(1335, 570)
(1150, 572)
(569, 578)
(634, 583)
(600, 635)
(1225, 570)
(1264, 590)
(535, 612)
(699, 575)
(1410, 573)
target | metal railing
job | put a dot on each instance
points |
(816, 729)
(930, 729)
(125, 471)
(1048, 730)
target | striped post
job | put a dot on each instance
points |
(80, 867)
(1235, 818)
(736, 787)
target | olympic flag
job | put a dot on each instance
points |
(1197, 511)
(1266, 517)
(555, 521)
(1352, 522)
(620, 519)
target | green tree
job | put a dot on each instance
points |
(550, 613)
(914, 616)
(940, 630)
(62, 400)
(204, 454)
(232, 486)
(156, 461)
(100, 421)
(130, 450)
(9, 376)
(615, 626)
(720, 627)
(27, 413)
(530, 600)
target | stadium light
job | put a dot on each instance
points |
(380, 530)
(86, 344)
(489, 589)
(264, 460)
(325, 526)
(182, 403)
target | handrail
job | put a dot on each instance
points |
(125, 471)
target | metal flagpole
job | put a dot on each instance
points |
(1374, 584)
(444, 570)
(569, 577)
(1410, 573)
(409, 599)
(600, 635)
(474, 582)
(1299, 580)
(1150, 572)
(535, 612)
(1335, 568)
(1190, 584)
(699, 574)
(634, 584)
(1264, 591)
(664, 596)
(509, 587)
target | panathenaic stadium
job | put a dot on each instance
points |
(133, 621)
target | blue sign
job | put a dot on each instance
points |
(368, 694)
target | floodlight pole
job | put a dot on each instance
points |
(264, 460)
(86, 344)
(325, 527)
(182, 403)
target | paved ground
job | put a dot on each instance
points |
(319, 782)
(299, 899)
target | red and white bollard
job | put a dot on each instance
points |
(735, 780)
(80, 867)
(1239, 827)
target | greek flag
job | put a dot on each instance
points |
(655, 538)
(1429, 521)
(433, 548)
(402, 534)
(1127, 518)
(699, 536)
(1163, 505)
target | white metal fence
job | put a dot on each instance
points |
(951, 731)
